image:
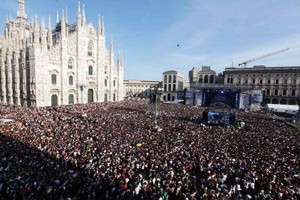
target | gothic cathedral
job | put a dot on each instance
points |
(69, 64)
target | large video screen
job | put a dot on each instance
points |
(257, 98)
(226, 96)
(218, 117)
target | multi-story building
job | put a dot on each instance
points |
(139, 88)
(203, 75)
(69, 64)
(173, 86)
(280, 85)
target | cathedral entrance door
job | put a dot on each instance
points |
(71, 99)
(90, 96)
(54, 100)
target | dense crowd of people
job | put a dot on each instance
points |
(114, 151)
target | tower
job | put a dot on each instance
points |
(21, 11)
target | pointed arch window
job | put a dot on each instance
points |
(90, 48)
(70, 63)
(90, 70)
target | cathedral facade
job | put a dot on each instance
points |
(69, 64)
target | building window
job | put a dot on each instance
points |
(90, 70)
(70, 63)
(261, 81)
(114, 83)
(253, 81)
(170, 78)
(174, 78)
(293, 92)
(205, 78)
(165, 87)
(201, 79)
(70, 80)
(268, 92)
(284, 92)
(170, 87)
(277, 81)
(276, 92)
(105, 82)
(174, 87)
(53, 79)
(114, 97)
(211, 79)
(71, 99)
(269, 81)
(90, 48)
(105, 97)
(166, 79)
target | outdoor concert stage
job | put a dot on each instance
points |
(240, 98)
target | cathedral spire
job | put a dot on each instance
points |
(49, 23)
(36, 31)
(79, 15)
(78, 12)
(67, 18)
(111, 50)
(99, 23)
(43, 24)
(49, 33)
(83, 15)
(63, 23)
(102, 27)
(111, 44)
(99, 26)
(36, 25)
(57, 17)
(63, 16)
(120, 59)
(21, 11)
(43, 33)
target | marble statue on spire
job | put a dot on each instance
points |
(21, 11)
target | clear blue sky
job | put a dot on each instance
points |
(217, 33)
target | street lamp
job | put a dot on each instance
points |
(157, 93)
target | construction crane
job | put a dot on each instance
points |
(243, 64)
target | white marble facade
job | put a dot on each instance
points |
(69, 64)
